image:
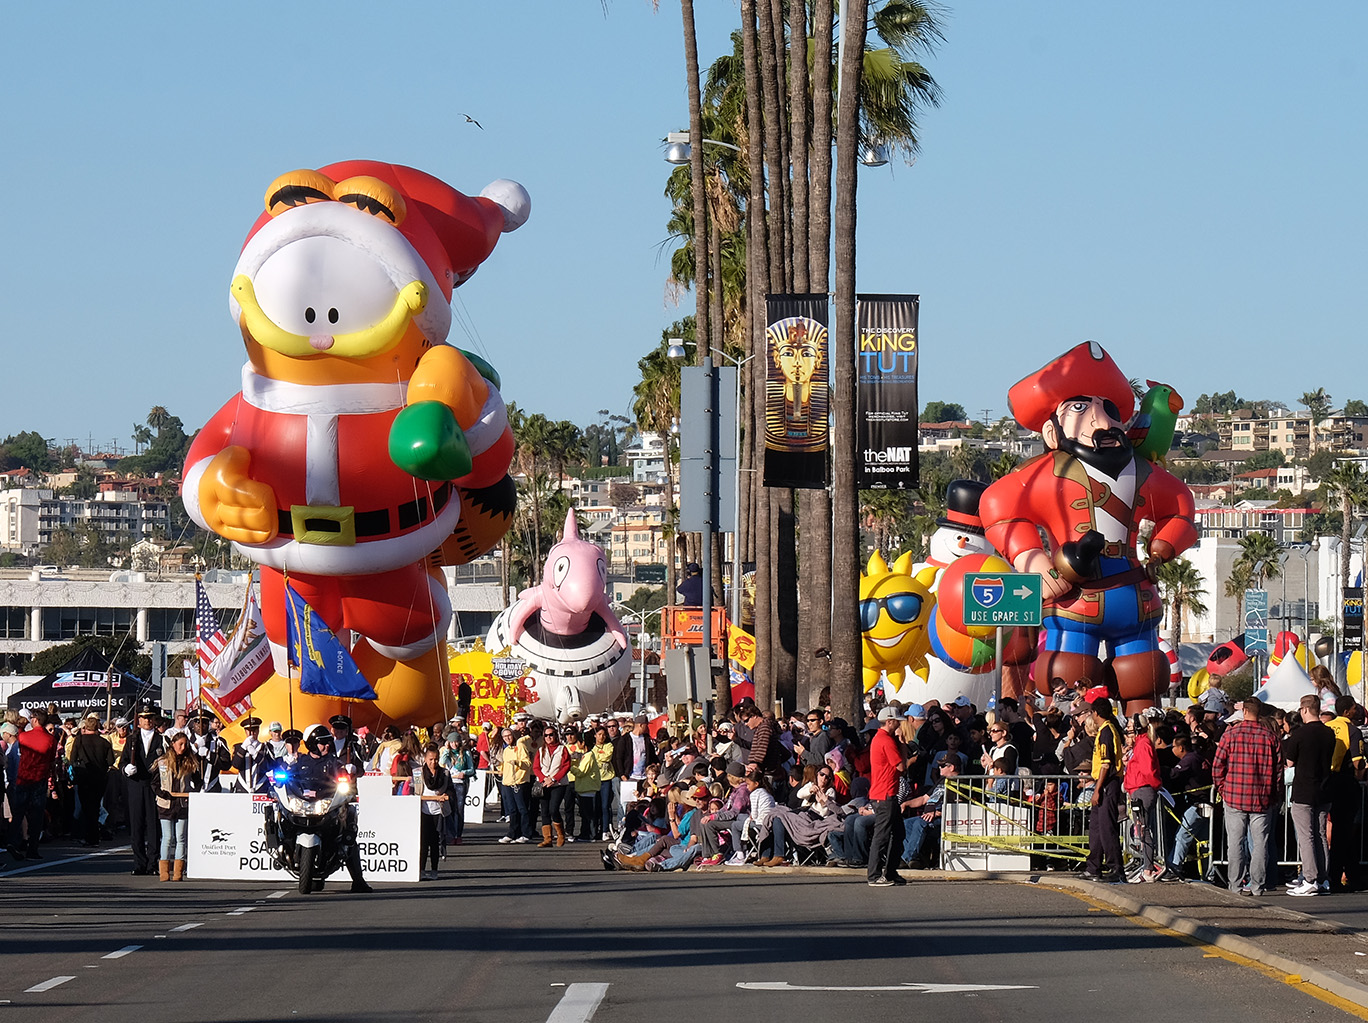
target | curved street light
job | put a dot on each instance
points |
(641, 617)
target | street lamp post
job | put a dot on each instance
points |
(641, 617)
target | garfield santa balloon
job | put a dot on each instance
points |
(363, 450)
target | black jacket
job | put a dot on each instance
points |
(623, 757)
(133, 754)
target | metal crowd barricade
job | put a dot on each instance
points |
(1027, 822)
(1006, 822)
(1283, 836)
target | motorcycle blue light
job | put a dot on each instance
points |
(281, 775)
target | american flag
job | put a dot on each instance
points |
(209, 637)
(210, 642)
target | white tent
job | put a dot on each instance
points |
(1287, 684)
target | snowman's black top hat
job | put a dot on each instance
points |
(962, 506)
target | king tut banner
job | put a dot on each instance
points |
(886, 392)
(797, 392)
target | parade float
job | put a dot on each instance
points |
(576, 656)
(364, 450)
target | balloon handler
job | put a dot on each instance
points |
(363, 450)
(1088, 494)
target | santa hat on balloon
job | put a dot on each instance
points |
(414, 226)
(1086, 370)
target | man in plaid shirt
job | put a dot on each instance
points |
(1246, 772)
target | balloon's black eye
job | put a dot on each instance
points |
(309, 314)
(332, 315)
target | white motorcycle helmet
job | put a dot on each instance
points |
(318, 738)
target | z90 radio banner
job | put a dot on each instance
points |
(797, 392)
(886, 391)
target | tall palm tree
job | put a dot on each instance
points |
(158, 417)
(845, 568)
(1181, 585)
(1346, 482)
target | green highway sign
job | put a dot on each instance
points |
(1002, 598)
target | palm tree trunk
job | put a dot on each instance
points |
(757, 279)
(819, 203)
(773, 135)
(785, 658)
(798, 147)
(845, 568)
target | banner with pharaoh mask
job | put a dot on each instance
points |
(797, 392)
(886, 391)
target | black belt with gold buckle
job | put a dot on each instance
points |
(371, 523)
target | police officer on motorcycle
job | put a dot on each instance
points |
(318, 768)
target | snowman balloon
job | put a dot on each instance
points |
(959, 534)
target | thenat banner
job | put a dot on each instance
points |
(886, 391)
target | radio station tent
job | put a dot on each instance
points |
(88, 682)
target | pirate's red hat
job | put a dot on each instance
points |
(1084, 370)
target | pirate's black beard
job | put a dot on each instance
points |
(1111, 460)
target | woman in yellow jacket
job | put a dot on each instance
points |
(517, 781)
(585, 773)
(603, 754)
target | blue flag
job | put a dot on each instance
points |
(325, 666)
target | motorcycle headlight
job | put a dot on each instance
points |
(292, 802)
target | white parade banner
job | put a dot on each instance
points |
(226, 838)
(476, 788)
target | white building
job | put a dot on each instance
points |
(29, 516)
(42, 610)
(647, 458)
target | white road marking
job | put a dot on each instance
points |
(47, 985)
(120, 953)
(277, 895)
(57, 863)
(241, 909)
(578, 1004)
(187, 927)
(921, 989)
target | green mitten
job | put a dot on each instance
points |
(426, 441)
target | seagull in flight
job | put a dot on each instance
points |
(472, 120)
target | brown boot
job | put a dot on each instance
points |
(164, 868)
(633, 862)
(560, 834)
(178, 870)
(545, 843)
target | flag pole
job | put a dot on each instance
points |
(289, 612)
(199, 693)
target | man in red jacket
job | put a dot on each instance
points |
(37, 750)
(887, 761)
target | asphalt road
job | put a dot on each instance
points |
(521, 935)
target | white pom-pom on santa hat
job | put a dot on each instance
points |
(512, 198)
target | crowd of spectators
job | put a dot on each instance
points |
(753, 788)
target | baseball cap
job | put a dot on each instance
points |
(275, 726)
(961, 700)
(1095, 693)
(890, 714)
(914, 710)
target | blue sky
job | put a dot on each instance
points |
(1182, 182)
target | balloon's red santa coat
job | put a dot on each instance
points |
(363, 450)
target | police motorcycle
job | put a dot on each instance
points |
(311, 825)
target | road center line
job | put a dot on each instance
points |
(277, 895)
(120, 953)
(47, 985)
(241, 909)
(187, 927)
(578, 1004)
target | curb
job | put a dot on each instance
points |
(1327, 980)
